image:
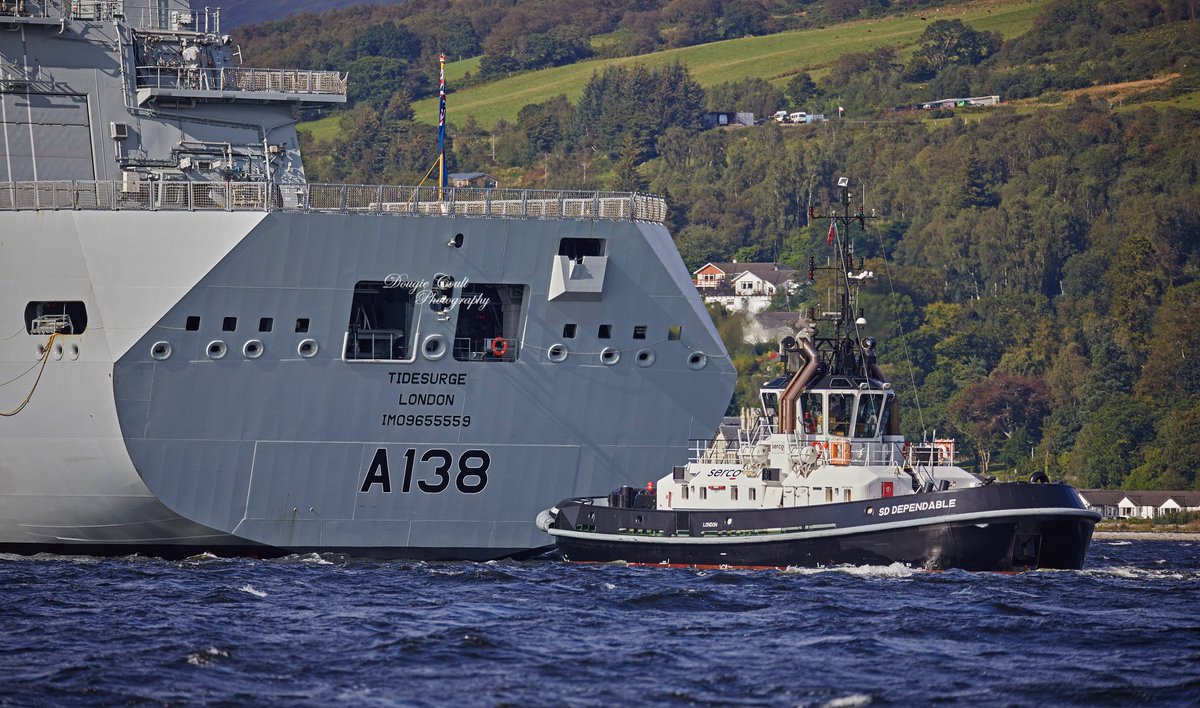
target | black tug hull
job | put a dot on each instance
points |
(1001, 528)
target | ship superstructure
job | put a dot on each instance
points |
(200, 350)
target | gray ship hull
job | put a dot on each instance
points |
(240, 361)
(119, 448)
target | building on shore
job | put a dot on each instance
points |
(1121, 504)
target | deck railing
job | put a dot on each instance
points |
(242, 79)
(142, 14)
(330, 198)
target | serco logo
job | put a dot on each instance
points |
(732, 473)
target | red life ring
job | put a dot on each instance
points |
(499, 347)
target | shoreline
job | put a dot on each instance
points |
(1147, 535)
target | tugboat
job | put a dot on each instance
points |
(824, 476)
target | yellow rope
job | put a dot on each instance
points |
(45, 360)
(422, 183)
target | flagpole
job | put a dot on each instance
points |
(441, 126)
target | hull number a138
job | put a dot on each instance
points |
(434, 474)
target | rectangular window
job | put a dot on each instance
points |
(229, 324)
(870, 414)
(302, 325)
(674, 332)
(685, 491)
(577, 248)
(829, 494)
(265, 324)
(639, 332)
(704, 492)
(65, 317)
(753, 494)
(846, 495)
(381, 321)
(814, 413)
(841, 405)
(489, 322)
(569, 331)
(605, 331)
(193, 323)
(733, 493)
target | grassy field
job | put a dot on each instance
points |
(775, 57)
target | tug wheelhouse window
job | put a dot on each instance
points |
(770, 401)
(841, 405)
(63, 317)
(813, 413)
(381, 321)
(489, 322)
(870, 415)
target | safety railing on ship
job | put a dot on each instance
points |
(148, 195)
(302, 81)
(142, 14)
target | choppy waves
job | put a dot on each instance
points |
(315, 629)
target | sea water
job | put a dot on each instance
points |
(319, 630)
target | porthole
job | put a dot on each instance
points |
(252, 349)
(73, 352)
(160, 351)
(307, 348)
(556, 353)
(217, 349)
(434, 347)
(870, 510)
(697, 361)
(645, 357)
(58, 352)
(609, 356)
(40, 351)
(637, 519)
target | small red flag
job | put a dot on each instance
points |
(832, 233)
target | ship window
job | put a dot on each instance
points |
(639, 332)
(870, 414)
(770, 403)
(605, 331)
(704, 492)
(733, 493)
(64, 317)
(193, 323)
(685, 491)
(489, 322)
(674, 332)
(846, 494)
(753, 494)
(841, 405)
(265, 324)
(829, 494)
(814, 413)
(577, 248)
(381, 319)
(229, 324)
(302, 325)
(569, 331)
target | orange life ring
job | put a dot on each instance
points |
(499, 347)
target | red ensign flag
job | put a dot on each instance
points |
(832, 233)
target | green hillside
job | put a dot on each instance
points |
(774, 57)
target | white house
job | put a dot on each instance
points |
(742, 286)
(1140, 505)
